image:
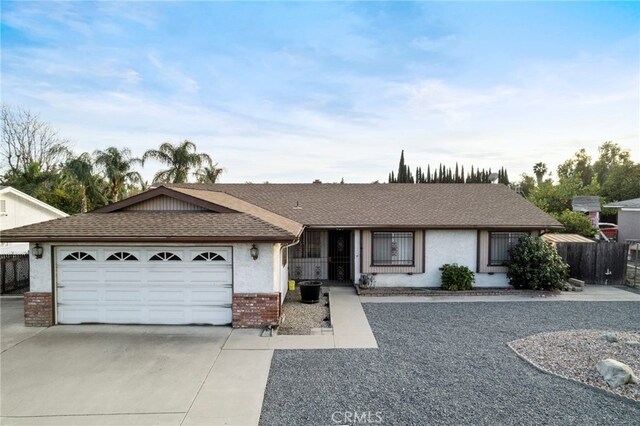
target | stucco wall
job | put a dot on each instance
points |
(40, 270)
(628, 225)
(445, 246)
(254, 276)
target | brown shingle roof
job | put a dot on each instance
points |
(150, 226)
(391, 205)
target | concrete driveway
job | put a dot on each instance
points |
(107, 374)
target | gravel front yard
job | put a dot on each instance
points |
(299, 318)
(448, 363)
(574, 354)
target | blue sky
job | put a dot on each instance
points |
(294, 91)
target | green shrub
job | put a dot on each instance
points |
(456, 277)
(535, 264)
(576, 223)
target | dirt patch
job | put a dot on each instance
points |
(574, 355)
(299, 318)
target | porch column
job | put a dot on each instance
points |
(356, 255)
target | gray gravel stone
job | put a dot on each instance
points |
(448, 363)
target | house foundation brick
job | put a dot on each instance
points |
(256, 310)
(38, 309)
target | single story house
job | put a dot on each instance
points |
(628, 219)
(223, 253)
(19, 209)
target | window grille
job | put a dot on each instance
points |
(499, 245)
(392, 248)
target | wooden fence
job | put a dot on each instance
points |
(14, 273)
(600, 263)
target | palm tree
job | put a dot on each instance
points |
(180, 158)
(79, 171)
(209, 174)
(116, 165)
(540, 169)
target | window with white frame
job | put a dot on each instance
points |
(499, 245)
(392, 248)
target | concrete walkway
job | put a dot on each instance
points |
(591, 293)
(351, 329)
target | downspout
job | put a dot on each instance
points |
(286, 247)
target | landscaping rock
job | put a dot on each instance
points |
(577, 288)
(611, 338)
(576, 282)
(633, 343)
(616, 373)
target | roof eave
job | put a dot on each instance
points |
(134, 239)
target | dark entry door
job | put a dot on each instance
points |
(340, 255)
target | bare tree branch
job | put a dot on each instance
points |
(26, 139)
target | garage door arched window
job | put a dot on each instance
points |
(165, 256)
(121, 256)
(209, 256)
(79, 255)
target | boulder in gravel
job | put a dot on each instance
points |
(576, 282)
(610, 337)
(633, 343)
(616, 373)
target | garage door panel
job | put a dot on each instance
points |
(122, 315)
(123, 295)
(79, 275)
(173, 296)
(78, 314)
(211, 296)
(68, 295)
(210, 315)
(212, 275)
(128, 275)
(140, 291)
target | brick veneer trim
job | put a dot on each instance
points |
(38, 309)
(256, 310)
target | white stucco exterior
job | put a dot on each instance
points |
(19, 209)
(40, 270)
(441, 247)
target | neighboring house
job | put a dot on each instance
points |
(628, 219)
(590, 205)
(222, 253)
(19, 209)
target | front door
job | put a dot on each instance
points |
(340, 255)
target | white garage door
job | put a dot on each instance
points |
(144, 285)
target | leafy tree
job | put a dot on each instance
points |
(610, 155)
(576, 223)
(579, 166)
(211, 174)
(27, 140)
(117, 167)
(78, 171)
(181, 159)
(540, 170)
(526, 185)
(536, 265)
(44, 185)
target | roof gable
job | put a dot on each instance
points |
(164, 199)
